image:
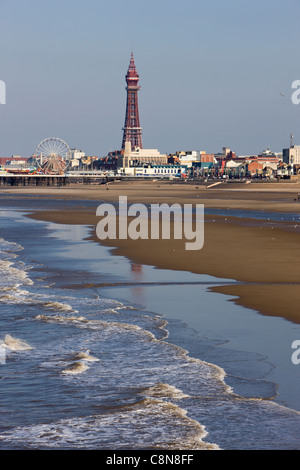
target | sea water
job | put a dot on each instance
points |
(98, 353)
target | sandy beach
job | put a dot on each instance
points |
(263, 255)
(278, 196)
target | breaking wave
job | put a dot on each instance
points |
(15, 344)
(76, 368)
(160, 425)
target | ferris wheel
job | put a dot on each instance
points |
(53, 155)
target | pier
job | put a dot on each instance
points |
(11, 179)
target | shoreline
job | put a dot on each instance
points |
(261, 257)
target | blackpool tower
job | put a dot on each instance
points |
(132, 132)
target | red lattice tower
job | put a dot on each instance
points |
(132, 132)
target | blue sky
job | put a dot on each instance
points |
(212, 73)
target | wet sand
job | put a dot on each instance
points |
(263, 255)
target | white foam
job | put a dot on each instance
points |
(60, 319)
(15, 344)
(9, 246)
(85, 355)
(14, 295)
(162, 390)
(76, 368)
(57, 306)
(160, 425)
(10, 276)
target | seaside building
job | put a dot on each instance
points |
(264, 164)
(138, 157)
(168, 171)
(269, 155)
(15, 160)
(75, 154)
(189, 157)
(291, 156)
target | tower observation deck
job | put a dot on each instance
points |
(132, 132)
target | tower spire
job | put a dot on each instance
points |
(132, 132)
